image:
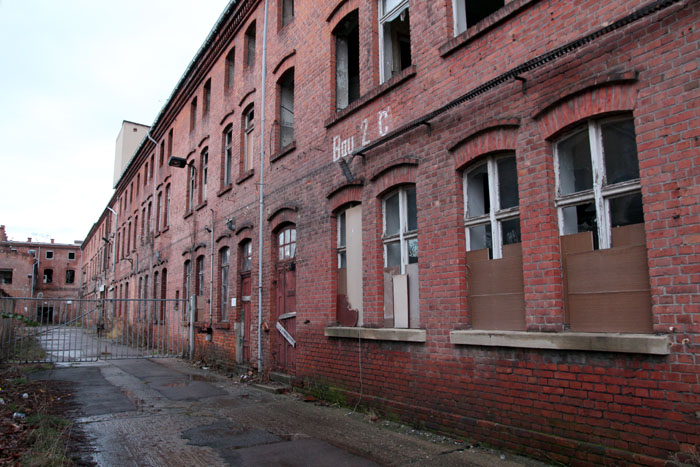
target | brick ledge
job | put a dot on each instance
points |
(591, 341)
(378, 334)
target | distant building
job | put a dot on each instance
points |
(39, 269)
(480, 217)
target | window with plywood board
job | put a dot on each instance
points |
(601, 223)
(349, 251)
(494, 255)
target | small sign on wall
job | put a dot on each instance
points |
(233, 301)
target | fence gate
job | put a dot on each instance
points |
(63, 330)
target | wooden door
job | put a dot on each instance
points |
(246, 318)
(284, 343)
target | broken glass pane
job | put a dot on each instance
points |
(581, 218)
(478, 202)
(391, 213)
(507, 182)
(511, 231)
(625, 210)
(575, 172)
(412, 250)
(393, 254)
(480, 237)
(412, 220)
(620, 151)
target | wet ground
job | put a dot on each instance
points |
(166, 412)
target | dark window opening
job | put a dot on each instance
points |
(230, 61)
(6, 276)
(48, 276)
(287, 11)
(347, 60)
(70, 276)
(395, 38)
(286, 114)
(206, 98)
(250, 45)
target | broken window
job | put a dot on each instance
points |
(469, 12)
(200, 286)
(394, 38)
(5, 276)
(48, 276)
(193, 114)
(349, 251)
(228, 155)
(603, 244)
(206, 98)
(159, 210)
(287, 244)
(347, 61)
(250, 46)
(400, 238)
(49, 254)
(71, 255)
(492, 205)
(492, 231)
(187, 285)
(287, 11)
(598, 180)
(248, 127)
(204, 172)
(70, 276)
(230, 61)
(286, 111)
(166, 217)
(246, 256)
(224, 256)
(190, 188)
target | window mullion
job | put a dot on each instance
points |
(598, 167)
(495, 204)
(402, 228)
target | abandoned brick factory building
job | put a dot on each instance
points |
(478, 217)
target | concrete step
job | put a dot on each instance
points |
(272, 387)
(281, 378)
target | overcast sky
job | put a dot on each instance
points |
(70, 72)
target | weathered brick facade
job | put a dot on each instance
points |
(28, 264)
(554, 382)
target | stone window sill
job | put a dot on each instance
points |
(587, 341)
(377, 334)
(484, 26)
(284, 151)
(225, 190)
(245, 176)
(201, 206)
(371, 95)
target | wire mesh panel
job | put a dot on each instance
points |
(62, 330)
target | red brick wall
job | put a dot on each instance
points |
(587, 407)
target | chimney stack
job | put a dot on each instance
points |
(52, 240)
(29, 239)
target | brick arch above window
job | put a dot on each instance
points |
(592, 102)
(285, 63)
(345, 194)
(494, 136)
(286, 214)
(340, 11)
(245, 226)
(394, 175)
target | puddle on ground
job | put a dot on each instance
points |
(186, 382)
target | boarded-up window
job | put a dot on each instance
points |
(394, 37)
(400, 238)
(347, 60)
(603, 244)
(494, 257)
(349, 250)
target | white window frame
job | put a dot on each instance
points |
(228, 156)
(49, 252)
(248, 128)
(459, 14)
(341, 247)
(404, 234)
(224, 254)
(385, 17)
(601, 193)
(204, 171)
(496, 215)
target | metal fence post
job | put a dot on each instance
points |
(192, 307)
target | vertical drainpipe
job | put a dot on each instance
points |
(153, 208)
(262, 187)
(114, 241)
(211, 270)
